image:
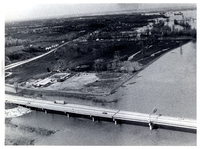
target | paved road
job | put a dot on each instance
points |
(10, 88)
(32, 59)
(8, 74)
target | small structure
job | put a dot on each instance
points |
(43, 83)
(178, 13)
(83, 68)
(48, 48)
(63, 78)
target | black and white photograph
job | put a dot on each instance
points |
(100, 74)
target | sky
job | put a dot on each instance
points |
(23, 10)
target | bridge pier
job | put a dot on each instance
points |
(153, 121)
(115, 121)
(150, 125)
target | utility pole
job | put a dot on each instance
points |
(181, 50)
(16, 86)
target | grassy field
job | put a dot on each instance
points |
(10, 50)
(16, 53)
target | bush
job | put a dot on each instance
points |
(99, 65)
(9, 41)
(127, 66)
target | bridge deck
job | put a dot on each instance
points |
(106, 113)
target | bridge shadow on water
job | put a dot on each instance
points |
(155, 126)
(118, 122)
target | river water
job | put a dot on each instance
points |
(79, 131)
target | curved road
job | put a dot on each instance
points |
(8, 74)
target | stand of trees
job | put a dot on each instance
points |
(186, 25)
(9, 41)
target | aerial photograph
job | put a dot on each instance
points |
(100, 74)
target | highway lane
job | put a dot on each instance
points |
(34, 58)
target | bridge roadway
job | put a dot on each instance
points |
(96, 112)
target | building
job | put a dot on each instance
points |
(43, 83)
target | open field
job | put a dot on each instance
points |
(86, 83)
(10, 50)
(16, 53)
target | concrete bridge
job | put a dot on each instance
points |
(95, 113)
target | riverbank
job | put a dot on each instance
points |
(168, 84)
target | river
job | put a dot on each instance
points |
(79, 131)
